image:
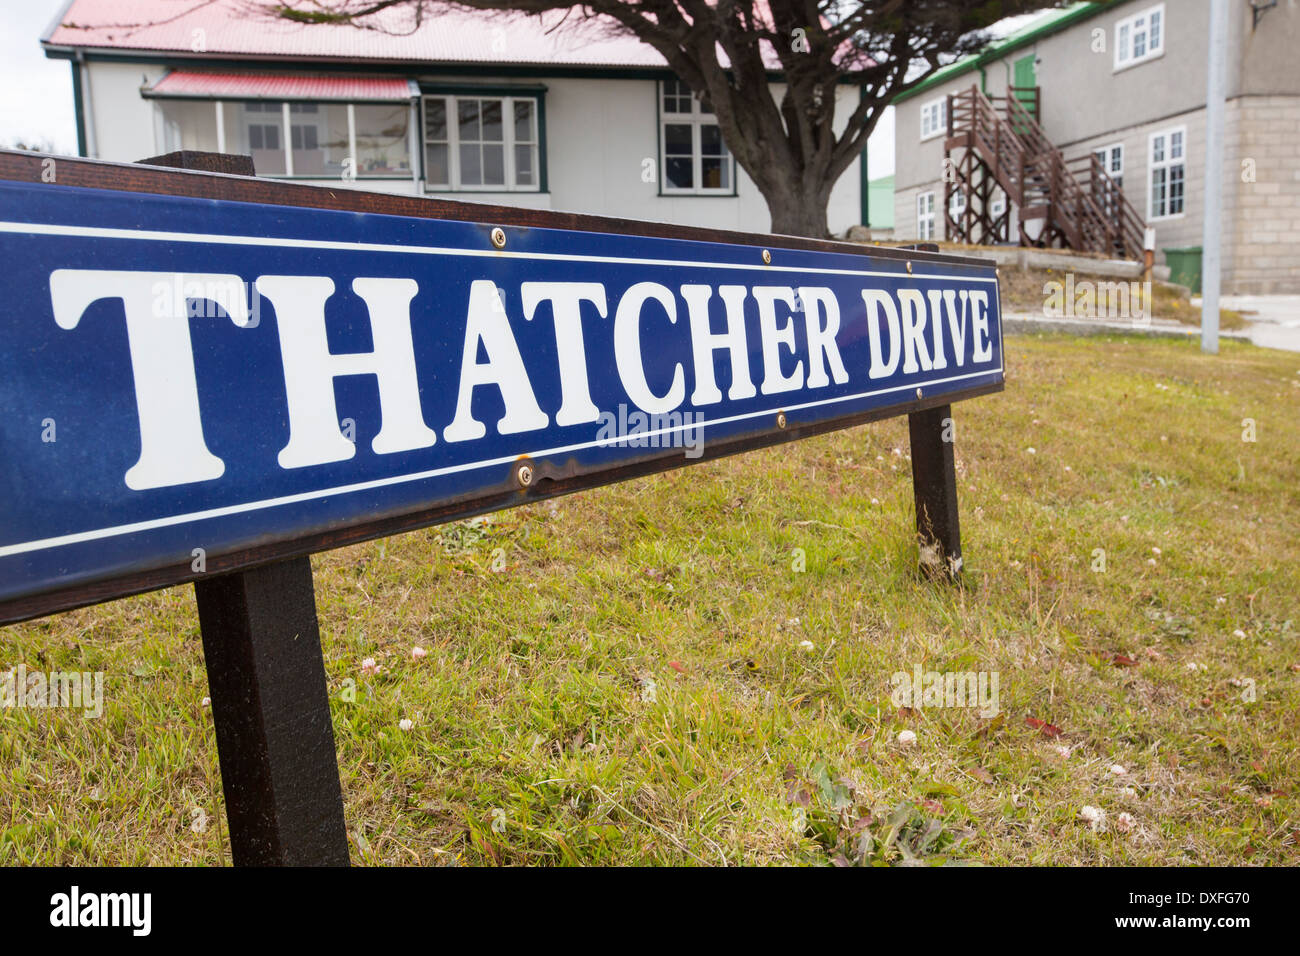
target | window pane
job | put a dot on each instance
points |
(468, 111)
(524, 121)
(493, 131)
(435, 120)
(436, 169)
(678, 172)
(261, 125)
(711, 141)
(524, 166)
(672, 103)
(494, 164)
(713, 173)
(192, 124)
(1158, 150)
(677, 139)
(1176, 146)
(1176, 190)
(471, 174)
(319, 138)
(383, 143)
(1155, 31)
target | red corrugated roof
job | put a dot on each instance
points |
(277, 86)
(225, 27)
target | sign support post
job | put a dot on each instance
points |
(934, 487)
(270, 704)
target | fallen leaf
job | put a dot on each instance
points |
(1043, 727)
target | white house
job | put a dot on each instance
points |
(505, 109)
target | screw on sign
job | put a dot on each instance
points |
(492, 356)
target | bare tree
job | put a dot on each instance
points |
(768, 68)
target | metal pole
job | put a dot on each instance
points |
(1211, 260)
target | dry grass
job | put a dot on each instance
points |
(650, 681)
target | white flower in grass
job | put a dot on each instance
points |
(1095, 817)
(1032, 451)
(1124, 823)
(1128, 792)
(206, 702)
(1156, 552)
(1151, 562)
(807, 645)
(1239, 634)
(369, 668)
(1220, 600)
(649, 690)
(1062, 751)
(418, 653)
(876, 502)
(906, 738)
(407, 724)
(1117, 770)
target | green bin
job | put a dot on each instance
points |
(1185, 267)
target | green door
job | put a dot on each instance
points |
(1025, 81)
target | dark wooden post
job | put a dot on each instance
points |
(270, 704)
(270, 698)
(934, 487)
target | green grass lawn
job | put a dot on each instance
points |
(649, 678)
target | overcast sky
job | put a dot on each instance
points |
(36, 93)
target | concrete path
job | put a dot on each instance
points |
(1275, 322)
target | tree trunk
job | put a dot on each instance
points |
(797, 208)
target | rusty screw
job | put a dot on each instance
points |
(767, 257)
(524, 475)
(498, 237)
(909, 268)
(780, 419)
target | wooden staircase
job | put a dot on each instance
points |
(997, 143)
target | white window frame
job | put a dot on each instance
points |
(925, 215)
(939, 107)
(957, 205)
(696, 118)
(451, 105)
(998, 203)
(1167, 163)
(1107, 154)
(1130, 28)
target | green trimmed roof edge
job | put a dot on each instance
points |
(1015, 41)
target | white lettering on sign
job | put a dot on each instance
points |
(909, 331)
(172, 450)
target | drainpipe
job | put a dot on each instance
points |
(92, 143)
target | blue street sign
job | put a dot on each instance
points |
(184, 378)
